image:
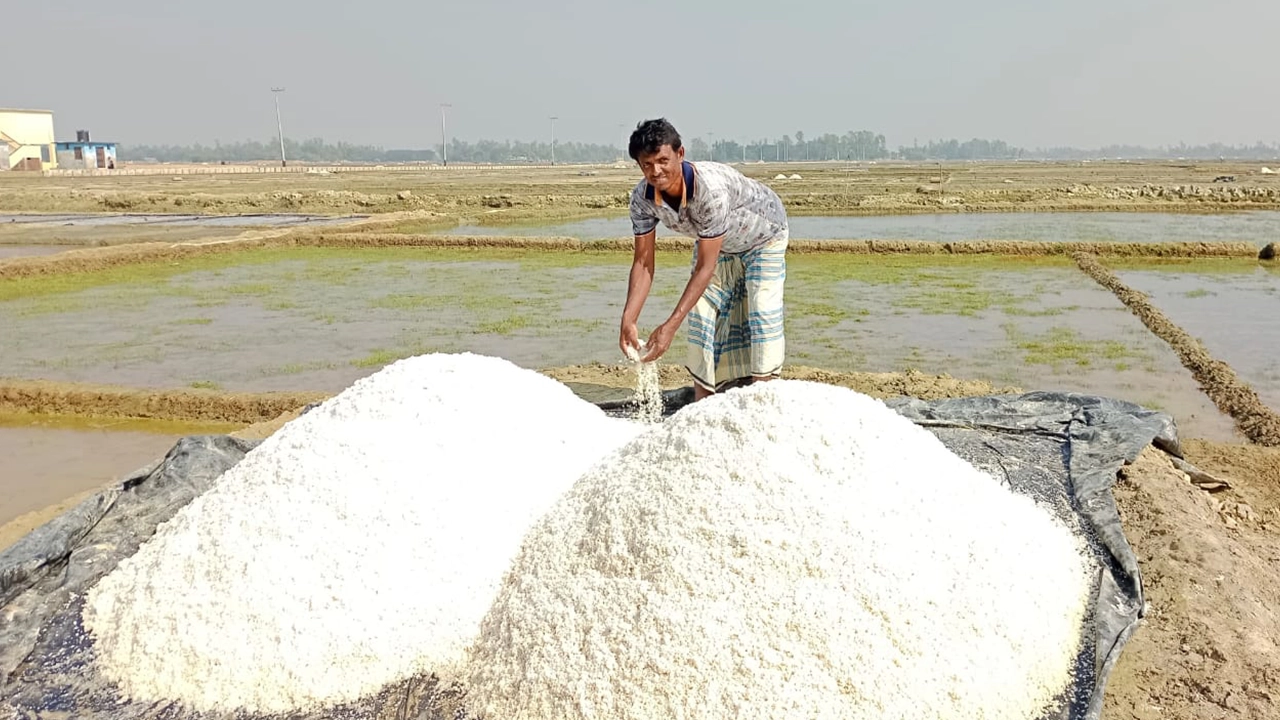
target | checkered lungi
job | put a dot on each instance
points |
(735, 330)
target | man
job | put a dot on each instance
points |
(734, 295)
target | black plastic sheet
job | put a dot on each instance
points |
(1065, 450)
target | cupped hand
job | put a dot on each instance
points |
(659, 342)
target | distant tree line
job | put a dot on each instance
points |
(316, 150)
(507, 151)
(313, 150)
(861, 145)
(1212, 151)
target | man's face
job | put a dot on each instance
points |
(662, 168)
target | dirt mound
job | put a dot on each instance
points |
(264, 429)
(1208, 645)
(58, 398)
(1232, 395)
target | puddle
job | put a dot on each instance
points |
(1233, 314)
(1258, 227)
(8, 251)
(255, 220)
(319, 320)
(48, 461)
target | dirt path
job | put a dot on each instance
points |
(1211, 568)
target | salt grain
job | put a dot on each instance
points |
(785, 550)
(648, 393)
(359, 545)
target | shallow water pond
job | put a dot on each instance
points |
(1236, 315)
(49, 460)
(317, 319)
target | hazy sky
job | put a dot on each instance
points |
(1082, 73)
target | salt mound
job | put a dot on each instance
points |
(785, 550)
(359, 545)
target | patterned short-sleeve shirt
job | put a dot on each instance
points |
(718, 200)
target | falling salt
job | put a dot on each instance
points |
(648, 392)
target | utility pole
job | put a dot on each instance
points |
(553, 139)
(279, 125)
(711, 147)
(622, 134)
(444, 134)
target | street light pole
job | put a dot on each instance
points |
(553, 139)
(444, 134)
(279, 125)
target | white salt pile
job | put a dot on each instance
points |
(648, 392)
(785, 550)
(359, 545)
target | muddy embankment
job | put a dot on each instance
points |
(102, 258)
(802, 246)
(73, 399)
(40, 397)
(547, 193)
(1232, 395)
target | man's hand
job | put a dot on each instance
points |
(629, 339)
(659, 341)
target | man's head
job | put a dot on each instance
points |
(655, 146)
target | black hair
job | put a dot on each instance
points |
(650, 136)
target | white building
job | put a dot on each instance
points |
(27, 140)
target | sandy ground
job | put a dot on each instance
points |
(507, 195)
(1211, 561)
(1211, 567)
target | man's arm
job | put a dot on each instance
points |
(638, 286)
(703, 270)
